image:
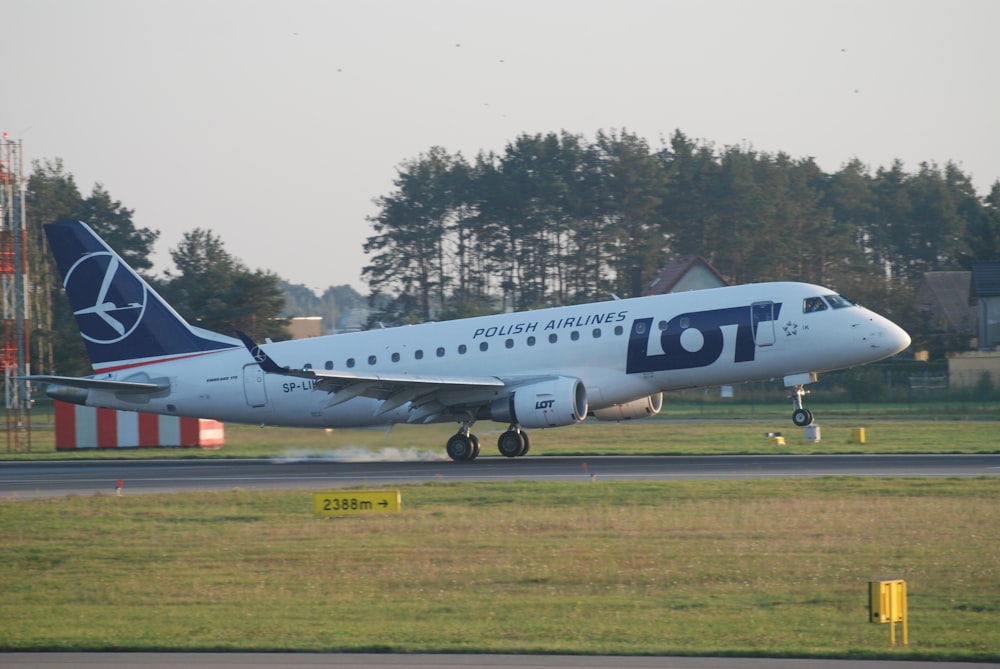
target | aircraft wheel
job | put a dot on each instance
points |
(510, 444)
(525, 445)
(460, 448)
(802, 417)
(475, 446)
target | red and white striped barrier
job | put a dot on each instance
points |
(89, 427)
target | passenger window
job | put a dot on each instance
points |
(553, 338)
(619, 330)
(462, 349)
(372, 360)
(597, 333)
(395, 357)
(418, 354)
(329, 364)
(307, 366)
(440, 351)
(350, 362)
(531, 340)
(574, 335)
(813, 304)
(509, 343)
(483, 346)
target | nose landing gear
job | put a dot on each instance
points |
(800, 415)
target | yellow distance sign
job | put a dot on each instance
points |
(350, 502)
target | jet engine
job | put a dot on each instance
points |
(641, 408)
(550, 403)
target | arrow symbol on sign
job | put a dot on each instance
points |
(383, 504)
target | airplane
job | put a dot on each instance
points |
(612, 360)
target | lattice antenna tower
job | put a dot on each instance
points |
(14, 288)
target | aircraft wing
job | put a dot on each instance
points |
(394, 389)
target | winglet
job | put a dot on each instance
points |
(259, 356)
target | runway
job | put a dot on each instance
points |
(37, 479)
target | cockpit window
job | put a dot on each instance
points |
(813, 304)
(838, 302)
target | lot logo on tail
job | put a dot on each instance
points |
(108, 299)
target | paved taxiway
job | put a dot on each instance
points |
(29, 480)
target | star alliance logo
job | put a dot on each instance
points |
(108, 300)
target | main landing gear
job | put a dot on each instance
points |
(513, 443)
(800, 415)
(464, 446)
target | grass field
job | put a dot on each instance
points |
(770, 568)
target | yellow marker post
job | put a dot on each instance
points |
(887, 604)
(353, 502)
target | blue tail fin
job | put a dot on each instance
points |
(121, 318)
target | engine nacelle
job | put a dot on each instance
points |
(641, 408)
(552, 403)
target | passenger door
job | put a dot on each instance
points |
(762, 319)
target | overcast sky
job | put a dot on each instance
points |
(275, 123)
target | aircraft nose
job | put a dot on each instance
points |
(891, 338)
(898, 339)
(881, 337)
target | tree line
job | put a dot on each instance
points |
(557, 219)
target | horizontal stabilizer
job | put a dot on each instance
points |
(96, 384)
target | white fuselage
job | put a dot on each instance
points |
(621, 350)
